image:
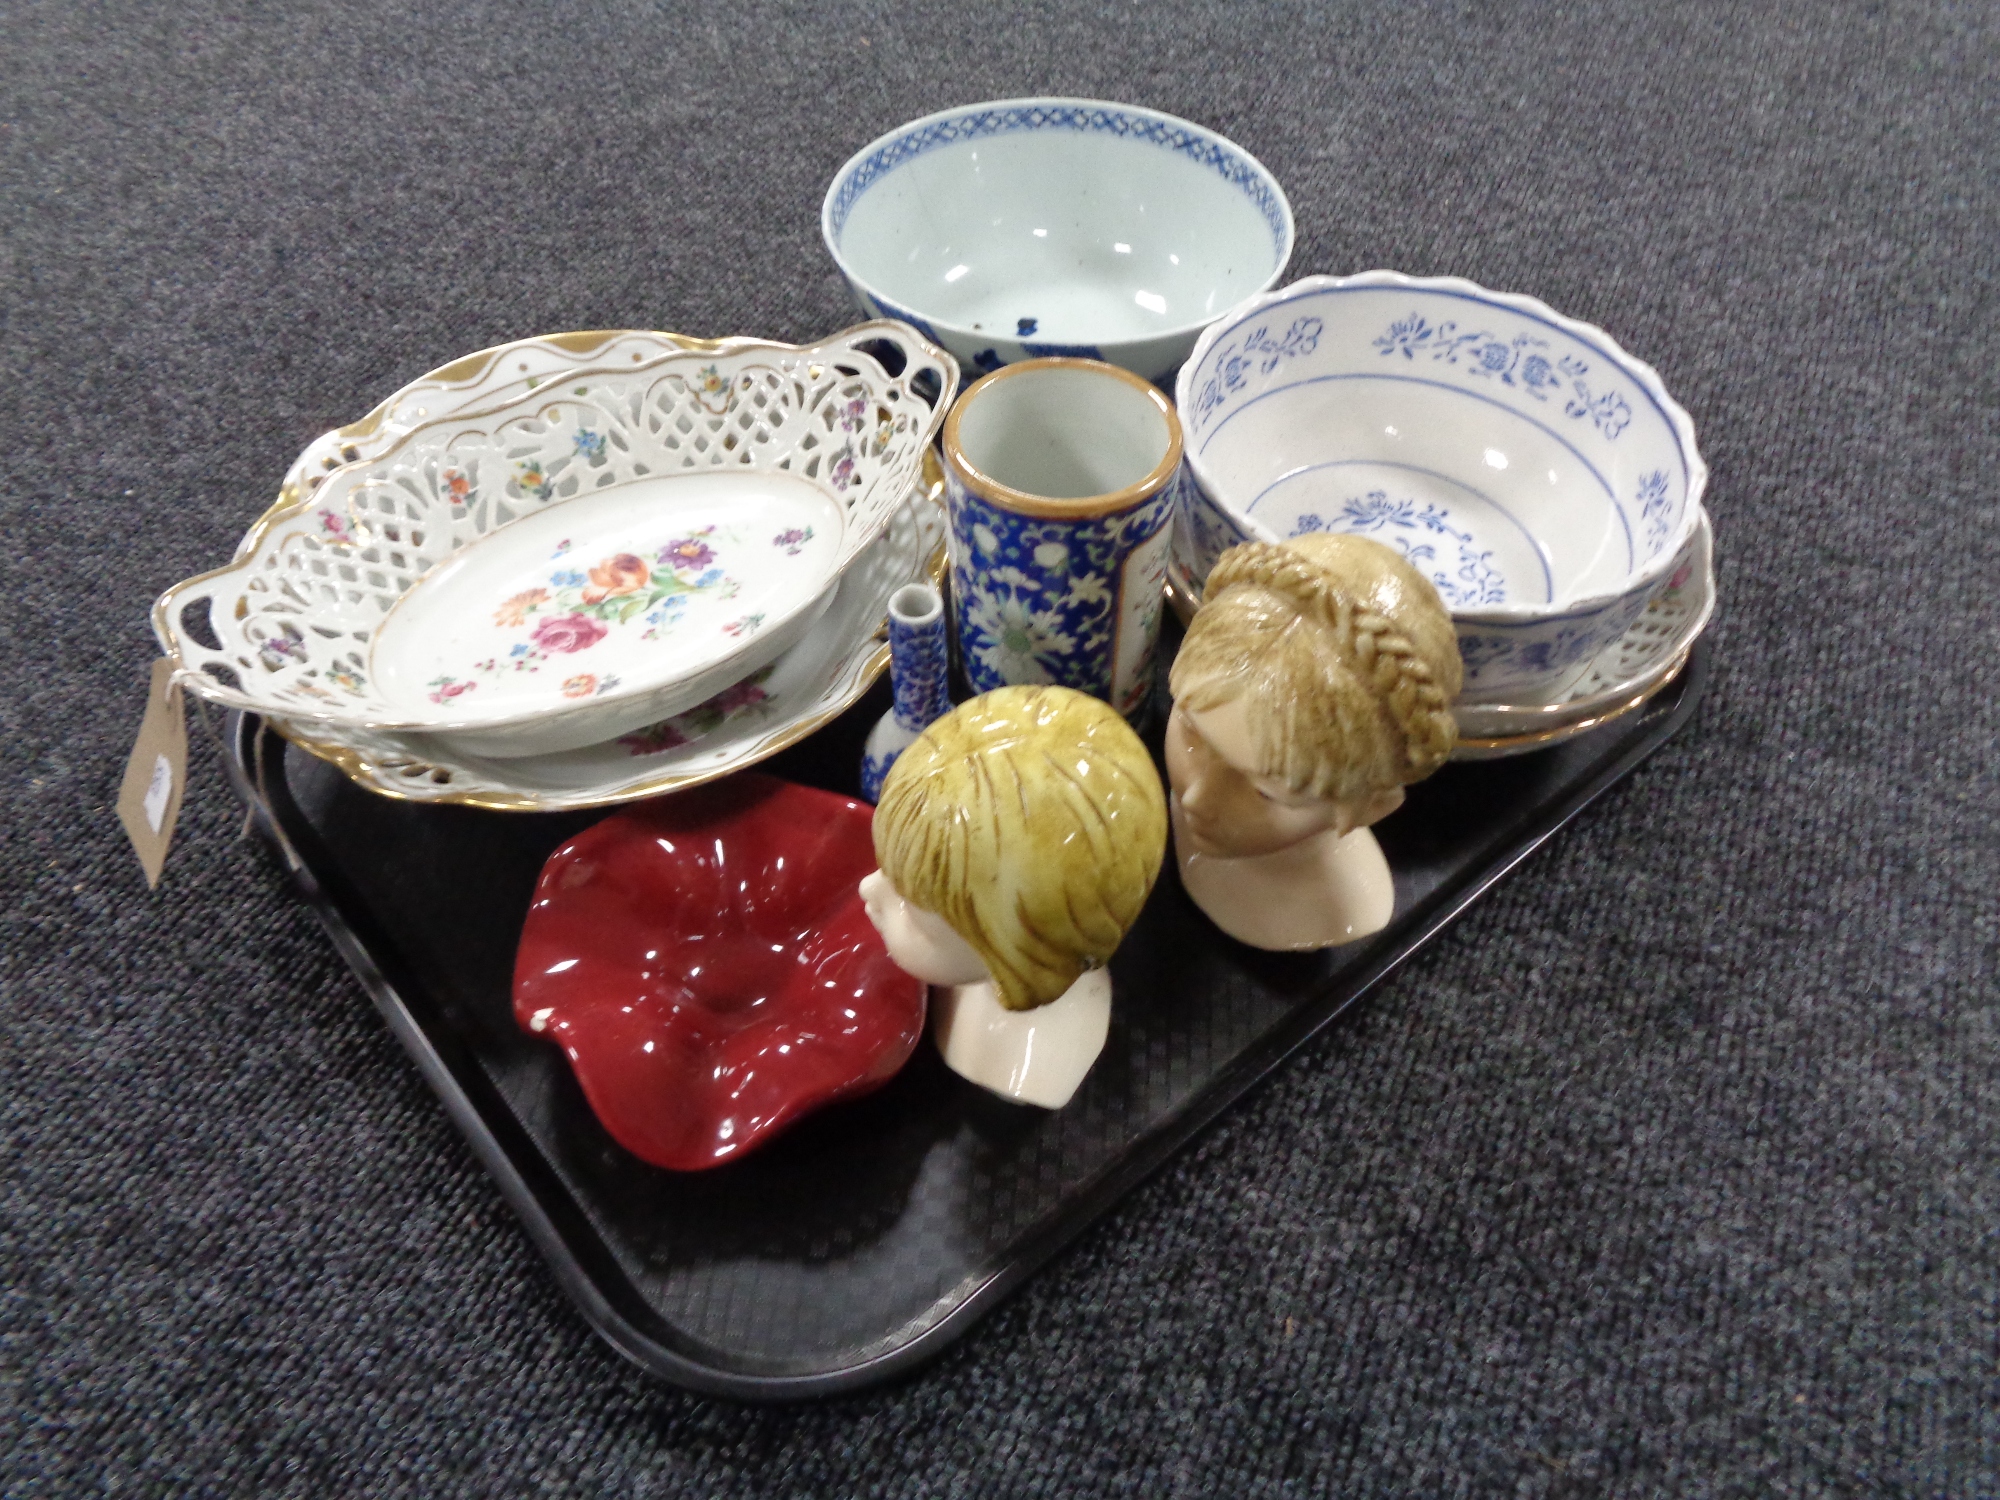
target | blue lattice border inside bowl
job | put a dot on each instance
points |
(1201, 146)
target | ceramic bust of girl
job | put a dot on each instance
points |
(1315, 683)
(1018, 837)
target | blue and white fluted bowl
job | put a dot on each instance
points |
(1534, 471)
(1024, 228)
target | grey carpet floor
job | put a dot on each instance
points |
(1674, 1169)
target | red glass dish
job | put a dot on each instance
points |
(705, 962)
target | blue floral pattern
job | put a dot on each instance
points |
(1038, 350)
(919, 668)
(1462, 572)
(1571, 385)
(987, 360)
(1497, 657)
(1494, 657)
(1655, 509)
(1516, 362)
(1232, 362)
(1042, 600)
(1203, 531)
(875, 765)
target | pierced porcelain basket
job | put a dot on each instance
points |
(595, 554)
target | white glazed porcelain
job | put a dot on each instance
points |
(715, 494)
(1038, 1056)
(661, 578)
(747, 722)
(475, 382)
(1537, 474)
(1063, 430)
(1028, 227)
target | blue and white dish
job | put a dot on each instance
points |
(1541, 477)
(1619, 680)
(1029, 227)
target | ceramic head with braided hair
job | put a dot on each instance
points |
(1315, 683)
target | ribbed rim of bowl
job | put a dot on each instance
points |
(843, 183)
(1647, 377)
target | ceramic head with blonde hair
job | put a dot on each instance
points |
(1030, 820)
(1347, 654)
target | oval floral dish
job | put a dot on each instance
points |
(582, 560)
(748, 721)
(724, 571)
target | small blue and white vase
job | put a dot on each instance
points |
(918, 664)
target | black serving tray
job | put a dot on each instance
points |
(875, 1233)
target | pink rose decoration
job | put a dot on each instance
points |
(568, 633)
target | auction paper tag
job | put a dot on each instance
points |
(150, 799)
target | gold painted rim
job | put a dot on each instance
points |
(470, 368)
(466, 370)
(383, 780)
(1535, 739)
(1009, 498)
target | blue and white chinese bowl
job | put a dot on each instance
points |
(1536, 473)
(1026, 228)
